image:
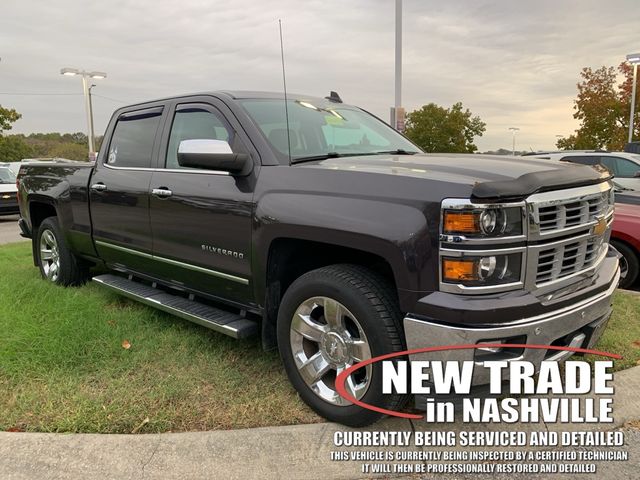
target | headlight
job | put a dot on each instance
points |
(482, 271)
(485, 222)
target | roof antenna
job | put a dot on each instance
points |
(284, 81)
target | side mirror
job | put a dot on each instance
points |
(212, 155)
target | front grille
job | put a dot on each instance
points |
(572, 212)
(564, 260)
(566, 228)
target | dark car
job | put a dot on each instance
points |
(331, 236)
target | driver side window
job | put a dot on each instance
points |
(191, 124)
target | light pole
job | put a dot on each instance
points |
(93, 132)
(633, 59)
(397, 112)
(513, 131)
(87, 99)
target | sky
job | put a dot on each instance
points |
(513, 63)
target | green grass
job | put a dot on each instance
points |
(622, 335)
(63, 367)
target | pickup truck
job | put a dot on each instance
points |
(319, 228)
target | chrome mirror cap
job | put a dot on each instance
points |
(200, 146)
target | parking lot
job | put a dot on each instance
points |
(9, 230)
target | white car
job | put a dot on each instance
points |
(624, 166)
(13, 166)
(8, 192)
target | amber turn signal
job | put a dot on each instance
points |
(461, 222)
(455, 270)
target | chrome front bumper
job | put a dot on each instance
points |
(578, 325)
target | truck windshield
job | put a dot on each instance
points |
(323, 130)
(7, 176)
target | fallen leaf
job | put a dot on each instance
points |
(142, 424)
(15, 429)
(126, 345)
(638, 362)
(636, 343)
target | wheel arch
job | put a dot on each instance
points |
(288, 258)
(39, 210)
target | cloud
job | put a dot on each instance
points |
(512, 63)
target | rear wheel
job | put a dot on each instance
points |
(629, 264)
(330, 319)
(56, 261)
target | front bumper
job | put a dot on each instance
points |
(577, 325)
(9, 207)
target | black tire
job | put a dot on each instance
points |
(70, 269)
(372, 300)
(630, 257)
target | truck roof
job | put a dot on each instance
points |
(237, 95)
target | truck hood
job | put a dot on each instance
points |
(490, 176)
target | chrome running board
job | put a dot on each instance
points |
(229, 323)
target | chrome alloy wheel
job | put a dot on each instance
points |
(624, 267)
(326, 338)
(49, 255)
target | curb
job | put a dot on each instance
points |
(291, 452)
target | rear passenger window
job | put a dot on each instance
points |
(621, 167)
(132, 141)
(194, 123)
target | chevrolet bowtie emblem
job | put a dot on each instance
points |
(6, 196)
(600, 227)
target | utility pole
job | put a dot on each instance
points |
(397, 111)
(513, 131)
(633, 59)
(93, 134)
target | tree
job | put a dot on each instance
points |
(13, 149)
(70, 151)
(7, 117)
(439, 129)
(64, 145)
(602, 106)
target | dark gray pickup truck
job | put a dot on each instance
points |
(330, 235)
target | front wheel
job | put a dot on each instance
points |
(330, 319)
(56, 261)
(629, 264)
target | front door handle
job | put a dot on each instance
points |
(162, 192)
(98, 187)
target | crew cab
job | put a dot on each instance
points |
(316, 226)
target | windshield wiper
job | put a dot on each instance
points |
(330, 155)
(399, 151)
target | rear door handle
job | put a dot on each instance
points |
(162, 192)
(98, 187)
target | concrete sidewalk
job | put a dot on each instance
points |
(294, 452)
